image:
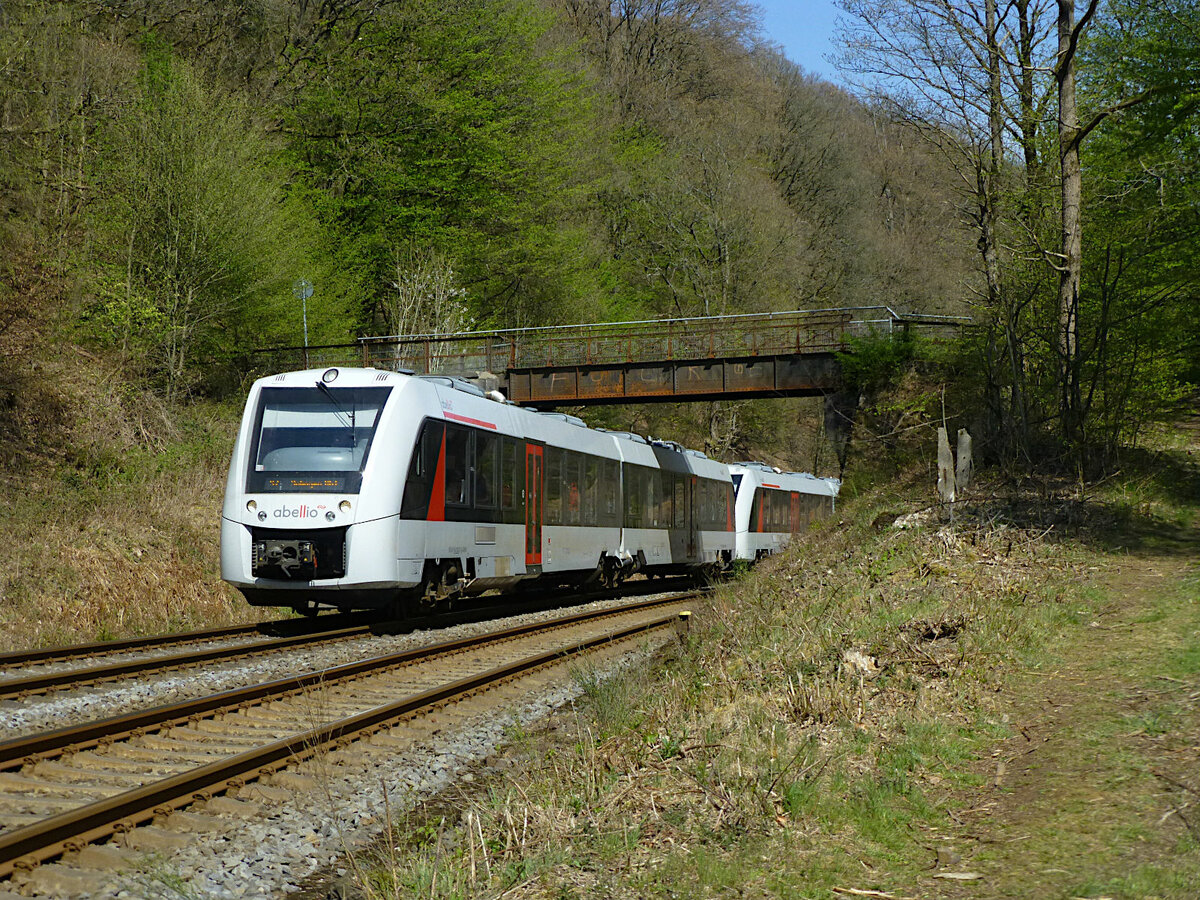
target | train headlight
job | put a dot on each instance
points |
(251, 505)
(329, 516)
(329, 376)
(344, 506)
(262, 515)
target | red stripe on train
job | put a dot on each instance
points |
(468, 420)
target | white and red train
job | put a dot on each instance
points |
(363, 488)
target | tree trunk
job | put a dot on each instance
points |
(1071, 249)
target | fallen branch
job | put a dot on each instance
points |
(878, 895)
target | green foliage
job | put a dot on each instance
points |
(195, 223)
(444, 126)
(1142, 271)
(874, 361)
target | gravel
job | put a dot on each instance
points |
(273, 855)
(137, 692)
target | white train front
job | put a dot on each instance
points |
(361, 488)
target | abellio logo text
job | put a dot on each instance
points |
(298, 512)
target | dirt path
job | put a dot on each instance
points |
(1097, 791)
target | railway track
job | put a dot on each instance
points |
(63, 789)
(20, 659)
(264, 638)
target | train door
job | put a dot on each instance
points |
(533, 505)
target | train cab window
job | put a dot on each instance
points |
(487, 470)
(458, 469)
(313, 439)
(508, 475)
(554, 483)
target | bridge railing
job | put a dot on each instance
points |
(699, 338)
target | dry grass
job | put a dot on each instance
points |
(113, 509)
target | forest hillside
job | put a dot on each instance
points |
(170, 168)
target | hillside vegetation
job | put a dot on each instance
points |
(170, 168)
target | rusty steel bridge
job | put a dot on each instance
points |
(779, 354)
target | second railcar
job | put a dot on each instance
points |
(772, 506)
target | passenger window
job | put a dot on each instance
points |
(418, 486)
(571, 487)
(591, 477)
(633, 497)
(610, 490)
(487, 448)
(508, 475)
(458, 455)
(554, 483)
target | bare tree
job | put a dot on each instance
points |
(425, 300)
(963, 74)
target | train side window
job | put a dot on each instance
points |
(508, 474)
(632, 489)
(610, 492)
(572, 486)
(418, 486)
(591, 488)
(554, 485)
(458, 470)
(680, 504)
(487, 448)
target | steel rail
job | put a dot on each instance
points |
(17, 658)
(41, 841)
(19, 751)
(35, 684)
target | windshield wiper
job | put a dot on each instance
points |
(342, 411)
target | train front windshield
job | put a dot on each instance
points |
(313, 439)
